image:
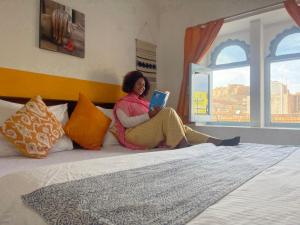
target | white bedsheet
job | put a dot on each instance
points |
(272, 197)
(20, 163)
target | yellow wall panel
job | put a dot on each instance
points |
(17, 83)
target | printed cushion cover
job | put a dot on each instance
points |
(9, 108)
(33, 129)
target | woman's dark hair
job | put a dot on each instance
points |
(130, 79)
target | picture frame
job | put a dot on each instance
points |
(62, 29)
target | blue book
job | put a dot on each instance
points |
(159, 98)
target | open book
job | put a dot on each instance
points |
(159, 98)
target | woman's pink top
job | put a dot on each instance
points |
(132, 105)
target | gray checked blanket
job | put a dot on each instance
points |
(173, 192)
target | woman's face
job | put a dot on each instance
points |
(139, 86)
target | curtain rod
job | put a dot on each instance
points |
(254, 12)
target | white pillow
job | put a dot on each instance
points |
(7, 148)
(9, 108)
(6, 110)
(61, 113)
(109, 138)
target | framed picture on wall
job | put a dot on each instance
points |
(61, 28)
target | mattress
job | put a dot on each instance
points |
(19, 163)
(271, 197)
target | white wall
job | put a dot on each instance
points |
(175, 17)
(111, 27)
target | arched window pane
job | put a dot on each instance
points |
(285, 91)
(289, 45)
(231, 95)
(231, 54)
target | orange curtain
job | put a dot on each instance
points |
(198, 40)
(293, 9)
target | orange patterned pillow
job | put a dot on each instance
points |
(87, 125)
(33, 129)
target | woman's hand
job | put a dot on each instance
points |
(154, 111)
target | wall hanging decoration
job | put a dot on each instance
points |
(146, 61)
(61, 28)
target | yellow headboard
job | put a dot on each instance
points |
(23, 84)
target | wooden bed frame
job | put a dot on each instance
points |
(50, 102)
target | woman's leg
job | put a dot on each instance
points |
(165, 126)
(195, 137)
(225, 142)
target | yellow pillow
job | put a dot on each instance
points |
(33, 129)
(87, 125)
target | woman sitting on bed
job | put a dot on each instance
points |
(139, 128)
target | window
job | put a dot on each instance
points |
(283, 79)
(259, 86)
(200, 79)
(230, 82)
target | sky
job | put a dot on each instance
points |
(221, 78)
(287, 72)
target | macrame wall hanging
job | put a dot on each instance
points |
(146, 61)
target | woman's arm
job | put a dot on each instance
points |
(131, 121)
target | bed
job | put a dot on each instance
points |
(272, 196)
(202, 184)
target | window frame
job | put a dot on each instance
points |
(270, 59)
(214, 67)
(218, 49)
